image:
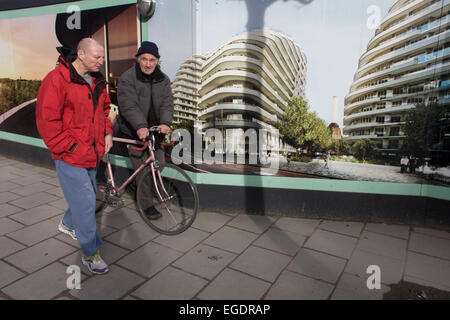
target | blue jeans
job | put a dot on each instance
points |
(79, 188)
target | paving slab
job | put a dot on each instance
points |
(40, 255)
(45, 284)
(297, 225)
(9, 274)
(37, 214)
(110, 286)
(7, 185)
(109, 253)
(317, 265)
(8, 209)
(33, 188)
(427, 270)
(433, 232)
(7, 196)
(210, 221)
(34, 200)
(119, 218)
(430, 245)
(56, 192)
(293, 286)
(391, 269)
(382, 245)
(261, 263)
(29, 179)
(398, 231)
(231, 239)
(54, 181)
(281, 241)
(149, 259)
(234, 285)
(205, 261)
(133, 236)
(252, 223)
(183, 242)
(351, 287)
(60, 204)
(170, 284)
(8, 246)
(7, 226)
(35, 233)
(332, 243)
(8, 176)
(344, 227)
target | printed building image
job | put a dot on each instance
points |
(406, 63)
(244, 84)
(185, 89)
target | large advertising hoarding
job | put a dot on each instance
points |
(353, 90)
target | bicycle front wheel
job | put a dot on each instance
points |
(168, 202)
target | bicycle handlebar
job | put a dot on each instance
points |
(147, 139)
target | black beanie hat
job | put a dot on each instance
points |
(148, 47)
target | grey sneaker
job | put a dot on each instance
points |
(95, 263)
(62, 228)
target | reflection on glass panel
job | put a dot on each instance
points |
(122, 40)
(99, 35)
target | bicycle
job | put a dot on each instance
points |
(173, 194)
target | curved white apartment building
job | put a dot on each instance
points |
(185, 89)
(244, 84)
(406, 63)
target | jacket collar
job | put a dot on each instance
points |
(156, 75)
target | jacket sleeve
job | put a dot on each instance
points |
(166, 109)
(107, 109)
(49, 114)
(129, 104)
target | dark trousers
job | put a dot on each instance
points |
(137, 158)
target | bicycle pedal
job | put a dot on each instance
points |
(115, 202)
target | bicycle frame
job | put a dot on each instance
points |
(148, 162)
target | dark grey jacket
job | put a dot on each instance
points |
(133, 95)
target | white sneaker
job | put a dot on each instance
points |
(95, 263)
(62, 228)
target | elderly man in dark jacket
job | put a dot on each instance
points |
(145, 99)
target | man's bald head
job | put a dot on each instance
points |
(87, 43)
(91, 55)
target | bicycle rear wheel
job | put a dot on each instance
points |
(179, 204)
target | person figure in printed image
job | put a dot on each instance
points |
(71, 116)
(403, 164)
(412, 164)
(327, 160)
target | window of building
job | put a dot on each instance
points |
(394, 132)
(398, 90)
(393, 144)
(379, 131)
(380, 119)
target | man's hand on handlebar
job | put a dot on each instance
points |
(164, 129)
(142, 133)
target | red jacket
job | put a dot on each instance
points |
(71, 117)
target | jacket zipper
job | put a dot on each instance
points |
(93, 118)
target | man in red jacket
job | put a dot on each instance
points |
(71, 116)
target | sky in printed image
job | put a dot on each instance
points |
(28, 47)
(332, 33)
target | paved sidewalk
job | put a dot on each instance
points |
(223, 256)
